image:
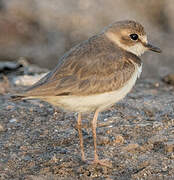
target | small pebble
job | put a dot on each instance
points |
(119, 139)
(172, 155)
(131, 147)
(1, 128)
(169, 79)
(169, 147)
(13, 120)
(103, 140)
(156, 84)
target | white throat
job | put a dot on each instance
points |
(138, 49)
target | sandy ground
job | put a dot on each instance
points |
(136, 135)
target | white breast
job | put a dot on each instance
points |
(100, 101)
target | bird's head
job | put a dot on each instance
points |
(130, 36)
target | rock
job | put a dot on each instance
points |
(169, 79)
(131, 147)
(27, 80)
(4, 85)
(169, 146)
(8, 66)
(2, 128)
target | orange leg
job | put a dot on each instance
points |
(94, 126)
(96, 159)
(79, 126)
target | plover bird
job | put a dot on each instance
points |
(95, 74)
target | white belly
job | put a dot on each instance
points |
(99, 101)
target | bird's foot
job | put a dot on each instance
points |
(102, 162)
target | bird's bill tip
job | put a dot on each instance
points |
(153, 48)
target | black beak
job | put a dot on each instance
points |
(152, 48)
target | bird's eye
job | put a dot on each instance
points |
(134, 37)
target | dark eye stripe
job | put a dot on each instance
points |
(134, 37)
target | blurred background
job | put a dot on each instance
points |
(42, 31)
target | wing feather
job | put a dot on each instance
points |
(97, 78)
(90, 68)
